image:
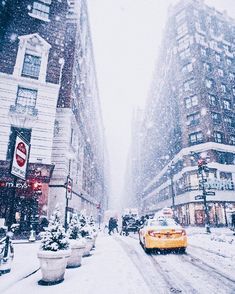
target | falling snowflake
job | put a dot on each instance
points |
(13, 37)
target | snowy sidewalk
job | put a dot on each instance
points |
(108, 270)
(25, 262)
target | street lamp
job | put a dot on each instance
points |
(202, 175)
(171, 174)
(68, 191)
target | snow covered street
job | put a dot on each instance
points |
(119, 265)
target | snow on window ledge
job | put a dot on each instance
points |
(38, 17)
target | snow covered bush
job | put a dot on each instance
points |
(74, 228)
(54, 238)
(86, 228)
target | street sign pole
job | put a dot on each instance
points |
(18, 169)
(207, 217)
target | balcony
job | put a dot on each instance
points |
(23, 116)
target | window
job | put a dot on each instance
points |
(228, 61)
(195, 138)
(191, 101)
(187, 68)
(41, 8)
(188, 84)
(232, 140)
(231, 76)
(228, 120)
(217, 57)
(227, 104)
(206, 66)
(203, 52)
(223, 88)
(182, 30)
(216, 117)
(220, 72)
(209, 83)
(212, 100)
(26, 97)
(193, 119)
(31, 66)
(184, 42)
(218, 137)
(185, 53)
(180, 16)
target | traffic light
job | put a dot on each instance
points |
(202, 166)
(37, 187)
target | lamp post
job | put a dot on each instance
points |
(171, 174)
(202, 175)
(68, 194)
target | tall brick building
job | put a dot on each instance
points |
(190, 113)
(41, 99)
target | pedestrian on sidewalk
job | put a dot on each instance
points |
(111, 225)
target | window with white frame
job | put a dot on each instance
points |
(191, 101)
(216, 117)
(188, 84)
(218, 137)
(185, 53)
(206, 66)
(195, 137)
(193, 119)
(32, 57)
(232, 140)
(31, 66)
(212, 100)
(41, 8)
(220, 72)
(217, 57)
(228, 120)
(180, 17)
(226, 104)
(223, 88)
(231, 76)
(184, 42)
(228, 61)
(187, 68)
(209, 83)
(182, 29)
(26, 97)
(203, 52)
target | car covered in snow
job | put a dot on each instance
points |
(162, 233)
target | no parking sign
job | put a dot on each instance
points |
(20, 158)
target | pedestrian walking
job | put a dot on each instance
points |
(111, 225)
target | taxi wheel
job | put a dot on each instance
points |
(182, 250)
(146, 250)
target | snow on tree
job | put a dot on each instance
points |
(74, 228)
(54, 238)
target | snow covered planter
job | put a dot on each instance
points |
(77, 251)
(54, 252)
(77, 244)
(87, 234)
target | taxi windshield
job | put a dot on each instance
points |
(162, 222)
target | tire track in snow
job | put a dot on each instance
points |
(150, 269)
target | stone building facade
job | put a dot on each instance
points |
(38, 103)
(191, 114)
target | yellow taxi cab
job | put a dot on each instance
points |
(162, 233)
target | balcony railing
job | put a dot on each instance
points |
(21, 109)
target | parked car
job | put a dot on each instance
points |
(162, 233)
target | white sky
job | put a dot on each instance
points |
(126, 36)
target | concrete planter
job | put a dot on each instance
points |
(89, 245)
(53, 265)
(77, 250)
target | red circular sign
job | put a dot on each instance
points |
(21, 154)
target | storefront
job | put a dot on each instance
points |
(24, 201)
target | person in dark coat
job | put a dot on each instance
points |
(111, 225)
